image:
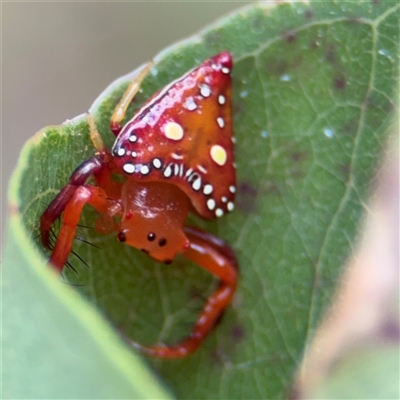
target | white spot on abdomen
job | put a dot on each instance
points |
(202, 169)
(133, 138)
(157, 163)
(205, 90)
(144, 169)
(211, 204)
(189, 104)
(219, 212)
(207, 189)
(168, 171)
(196, 185)
(129, 168)
(221, 122)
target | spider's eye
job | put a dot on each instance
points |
(151, 236)
(162, 242)
(121, 236)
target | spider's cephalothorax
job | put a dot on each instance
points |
(160, 210)
(176, 155)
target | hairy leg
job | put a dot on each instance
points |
(92, 166)
(97, 198)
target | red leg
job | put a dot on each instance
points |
(92, 166)
(94, 196)
(96, 166)
(101, 168)
(216, 257)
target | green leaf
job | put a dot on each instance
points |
(54, 344)
(315, 89)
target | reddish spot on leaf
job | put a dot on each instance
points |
(279, 66)
(246, 197)
(238, 107)
(330, 53)
(289, 36)
(237, 333)
(298, 156)
(309, 14)
(339, 82)
(276, 66)
(350, 127)
(195, 294)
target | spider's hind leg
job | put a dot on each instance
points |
(216, 257)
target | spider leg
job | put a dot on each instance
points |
(89, 167)
(216, 257)
(96, 138)
(122, 106)
(97, 198)
(104, 175)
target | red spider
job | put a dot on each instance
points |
(176, 155)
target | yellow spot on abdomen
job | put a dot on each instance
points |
(173, 131)
(218, 154)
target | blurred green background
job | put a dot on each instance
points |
(58, 57)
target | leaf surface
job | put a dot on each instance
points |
(315, 89)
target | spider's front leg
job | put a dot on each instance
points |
(218, 258)
(74, 195)
(92, 166)
(130, 93)
(97, 198)
(70, 201)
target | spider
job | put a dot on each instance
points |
(176, 157)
